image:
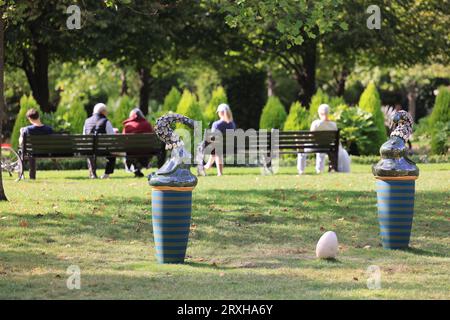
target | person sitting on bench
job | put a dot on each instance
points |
(322, 124)
(98, 124)
(136, 123)
(36, 127)
(225, 123)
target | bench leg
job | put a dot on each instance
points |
(32, 164)
(333, 166)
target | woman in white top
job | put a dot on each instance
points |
(324, 124)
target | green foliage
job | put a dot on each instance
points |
(441, 109)
(422, 129)
(71, 117)
(26, 103)
(273, 115)
(440, 122)
(318, 98)
(218, 96)
(189, 106)
(440, 137)
(204, 84)
(122, 110)
(356, 127)
(298, 118)
(171, 100)
(370, 102)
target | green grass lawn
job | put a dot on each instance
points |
(252, 237)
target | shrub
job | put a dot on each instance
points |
(190, 108)
(440, 122)
(336, 102)
(273, 115)
(370, 102)
(71, 117)
(441, 109)
(356, 127)
(440, 137)
(26, 103)
(298, 118)
(171, 100)
(218, 96)
(122, 110)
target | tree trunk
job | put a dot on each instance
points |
(270, 84)
(2, 97)
(144, 89)
(340, 82)
(412, 96)
(306, 78)
(124, 85)
(37, 75)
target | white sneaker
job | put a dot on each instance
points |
(105, 176)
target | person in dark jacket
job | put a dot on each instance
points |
(37, 128)
(99, 124)
(136, 123)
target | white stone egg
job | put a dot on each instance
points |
(328, 246)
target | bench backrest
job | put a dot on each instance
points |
(292, 142)
(75, 145)
(285, 141)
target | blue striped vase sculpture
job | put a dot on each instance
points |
(172, 187)
(396, 175)
(395, 200)
(171, 218)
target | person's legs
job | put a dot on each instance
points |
(320, 162)
(301, 162)
(210, 162)
(139, 164)
(110, 165)
(92, 166)
(219, 165)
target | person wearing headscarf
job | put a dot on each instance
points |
(136, 123)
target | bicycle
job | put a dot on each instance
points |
(11, 161)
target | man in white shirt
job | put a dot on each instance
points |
(322, 124)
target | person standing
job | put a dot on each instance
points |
(225, 123)
(136, 123)
(98, 123)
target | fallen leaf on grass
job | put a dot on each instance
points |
(23, 224)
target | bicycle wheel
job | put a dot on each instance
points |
(11, 162)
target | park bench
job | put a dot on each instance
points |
(56, 146)
(266, 145)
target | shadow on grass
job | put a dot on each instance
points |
(224, 219)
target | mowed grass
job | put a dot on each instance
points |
(252, 237)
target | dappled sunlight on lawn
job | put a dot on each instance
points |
(252, 236)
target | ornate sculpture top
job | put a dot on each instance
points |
(403, 125)
(164, 131)
(394, 152)
(175, 172)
